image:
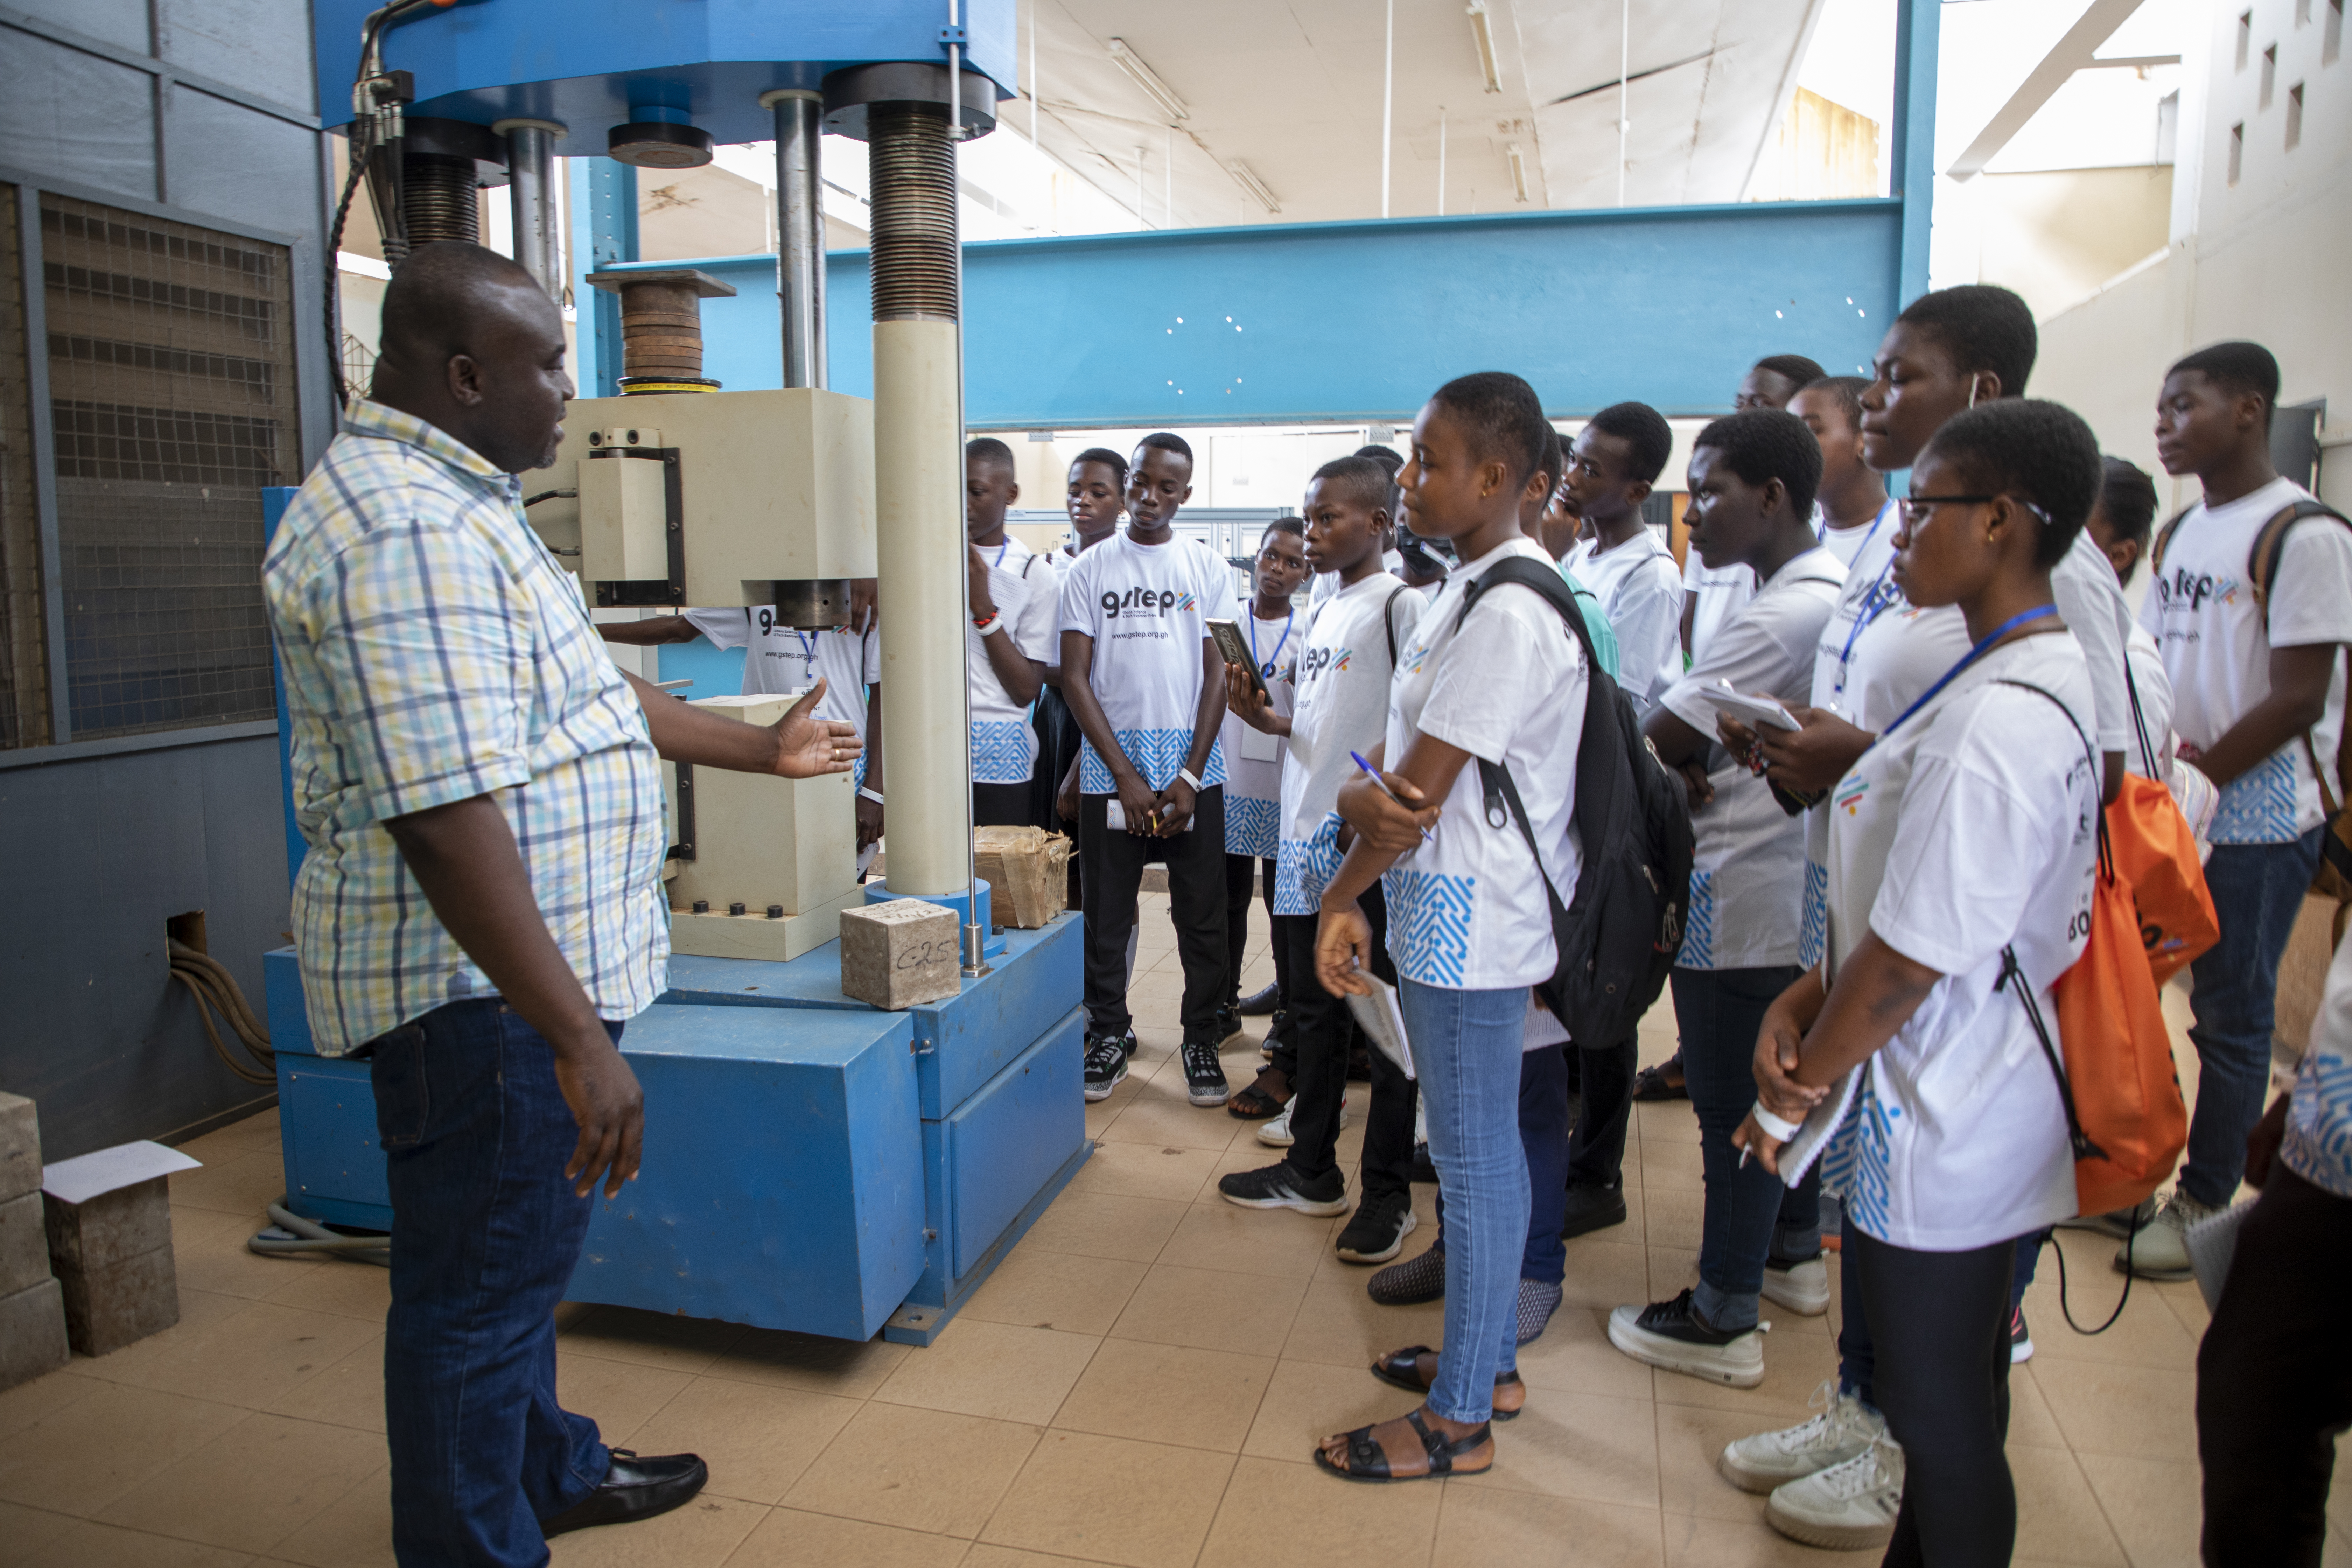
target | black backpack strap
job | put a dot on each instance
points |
(1388, 620)
(1548, 585)
(2164, 538)
(2139, 718)
(1503, 802)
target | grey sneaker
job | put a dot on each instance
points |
(1844, 1428)
(1106, 1066)
(2161, 1252)
(1848, 1507)
(1802, 1288)
(1204, 1075)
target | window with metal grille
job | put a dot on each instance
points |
(24, 666)
(172, 391)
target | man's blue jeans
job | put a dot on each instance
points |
(1466, 1048)
(1543, 1140)
(2257, 893)
(486, 1232)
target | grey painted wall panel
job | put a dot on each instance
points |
(103, 853)
(74, 116)
(262, 46)
(122, 22)
(240, 163)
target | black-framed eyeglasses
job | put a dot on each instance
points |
(1915, 507)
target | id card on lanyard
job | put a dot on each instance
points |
(1257, 746)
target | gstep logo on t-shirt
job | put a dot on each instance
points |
(2190, 590)
(1315, 660)
(1148, 601)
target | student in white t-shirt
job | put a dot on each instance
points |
(1148, 687)
(1752, 478)
(2258, 692)
(1615, 460)
(1852, 501)
(1254, 767)
(1469, 919)
(2122, 525)
(1713, 595)
(1341, 670)
(1955, 1140)
(1096, 500)
(1016, 602)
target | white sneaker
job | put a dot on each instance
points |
(1847, 1507)
(1844, 1428)
(1670, 1334)
(1802, 1288)
(2161, 1250)
(1274, 1132)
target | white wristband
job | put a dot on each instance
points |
(873, 794)
(1186, 774)
(1780, 1129)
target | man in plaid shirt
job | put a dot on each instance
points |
(481, 908)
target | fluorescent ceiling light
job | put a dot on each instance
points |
(1482, 34)
(1159, 91)
(1246, 178)
(1518, 170)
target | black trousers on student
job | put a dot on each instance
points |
(1240, 872)
(1001, 806)
(1941, 1321)
(1114, 862)
(2273, 1392)
(1596, 1148)
(1320, 1028)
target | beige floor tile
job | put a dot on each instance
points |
(41, 1398)
(195, 1224)
(2190, 1309)
(1489, 1526)
(28, 1530)
(851, 1368)
(1339, 1325)
(651, 1339)
(354, 1530)
(1605, 1272)
(2149, 1332)
(1275, 1513)
(347, 1392)
(1062, 1290)
(220, 1146)
(2132, 1412)
(1002, 1371)
(1672, 1269)
(619, 1395)
(253, 1485)
(251, 1358)
(1306, 1402)
(245, 1184)
(1794, 1366)
(1689, 1440)
(84, 1544)
(1156, 1517)
(93, 1450)
(1172, 1173)
(792, 1538)
(983, 1555)
(1670, 1217)
(1668, 1163)
(2058, 1516)
(1574, 1355)
(705, 1533)
(1167, 1121)
(1097, 1225)
(258, 1131)
(1282, 1243)
(1210, 1309)
(1699, 1542)
(2153, 1507)
(219, 1260)
(1165, 1394)
(919, 1469)
(1579, 1446)
(2031, 1424)
(348, 1289)
(756, 1438)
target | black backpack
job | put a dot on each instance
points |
(1618, 937)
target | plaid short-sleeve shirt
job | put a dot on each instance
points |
(433, 650)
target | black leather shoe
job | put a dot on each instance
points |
(1263, 1003)
(1592, 1206)
(635, 1487)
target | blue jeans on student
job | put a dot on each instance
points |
(486, 1232)
(1466, 1048)
(2257, 893)
(1719, 1013)
(1543, 1139)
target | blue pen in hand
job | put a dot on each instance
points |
(1382, 785)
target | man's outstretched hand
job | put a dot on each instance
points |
(807, 746)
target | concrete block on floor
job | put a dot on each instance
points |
(32, 1333)
(900, 953)
(107, 1229)
(113, 1255)
(20, 1147)
(24, 1245)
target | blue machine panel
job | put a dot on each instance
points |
(327, 1134)
(586, 63)
(1000, 1147)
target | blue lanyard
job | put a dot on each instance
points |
(1000, 552)
(1868, 610)
(1969, 658)
(808, 648)
(1266, 669)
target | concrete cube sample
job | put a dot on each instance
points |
(20, 1147)
(24, 1245)
(102, 1231)
(112, 1254)
(898, 954)
(32, 1333)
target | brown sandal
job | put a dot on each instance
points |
(1256, 1103)
(1414, 1368)
(1368, 1461)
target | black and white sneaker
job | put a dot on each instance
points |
(1280, 1187)
(1671, 1334)
(1228, 1026)
(1106, 1066)
(1204, 1075)
(1377, 1232)
(1127, 1045)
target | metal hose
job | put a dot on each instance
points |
(291, 1236)
(216, 990)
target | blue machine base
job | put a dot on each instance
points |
(929, 1308)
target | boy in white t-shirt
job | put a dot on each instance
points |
(1144, 679)
(1615, 460)
(1254, 769)
(1752, 478)
(1096, 500)
(1015, 622)
(2258, 692)
(1852, 498)
(1713, 595)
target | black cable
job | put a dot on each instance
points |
(550, 495)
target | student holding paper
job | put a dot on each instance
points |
(1913, 1039)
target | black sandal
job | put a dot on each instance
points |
(1367, 1461)
(1401, 1369)
(1253, 1103)
(1649, 1085)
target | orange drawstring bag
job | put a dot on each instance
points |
(2155, 856)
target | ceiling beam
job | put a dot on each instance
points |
(2074, 52)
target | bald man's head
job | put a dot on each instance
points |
(473, 346)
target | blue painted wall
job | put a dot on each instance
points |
(1347, 321)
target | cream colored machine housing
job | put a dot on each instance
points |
(789, 844)
(773, 486)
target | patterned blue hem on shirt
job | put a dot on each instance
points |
(1303, 867)
(1157, 754)
(1698, 932)
(1813, 931)
(1003, 752)
(2258, 807)
(1429, 925)
(1253, 827)
(1857, 1163)
(2318, 1143)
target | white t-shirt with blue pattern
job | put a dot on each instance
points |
(1148, 608)
(1025, 593)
